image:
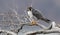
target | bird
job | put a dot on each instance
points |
(35, 13)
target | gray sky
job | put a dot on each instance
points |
(49, 8)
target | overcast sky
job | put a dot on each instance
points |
(49, 8)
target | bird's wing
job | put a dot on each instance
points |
(37, 14)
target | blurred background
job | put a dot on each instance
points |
(49, 8)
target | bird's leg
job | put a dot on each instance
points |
(33, 22)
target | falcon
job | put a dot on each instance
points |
(33, 12)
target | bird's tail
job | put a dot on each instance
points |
(46, 20)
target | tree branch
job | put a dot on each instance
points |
(28, 24)
(8, 32)
(43, 32)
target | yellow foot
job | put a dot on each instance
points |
(33, 22)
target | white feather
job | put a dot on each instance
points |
(30, 14)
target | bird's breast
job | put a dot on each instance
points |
(30, 14)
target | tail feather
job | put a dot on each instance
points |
(46, 20)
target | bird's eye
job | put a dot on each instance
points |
(30, 9)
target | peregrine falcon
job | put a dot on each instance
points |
(33, 12)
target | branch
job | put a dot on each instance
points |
(20, 28)
(27, 24)
(43, 32)
(41, 26)
(8, 32)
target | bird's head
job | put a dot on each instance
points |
(29, 8)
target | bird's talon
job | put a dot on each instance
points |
(33, 22)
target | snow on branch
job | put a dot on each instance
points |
(27, 24)
(43, 32)
(8, 32)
